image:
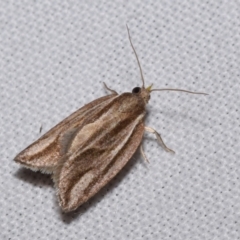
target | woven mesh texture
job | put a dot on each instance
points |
(54, 56)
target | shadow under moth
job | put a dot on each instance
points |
(88, 148)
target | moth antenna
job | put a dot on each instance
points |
(177, 90)
(130, 40)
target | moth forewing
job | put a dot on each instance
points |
(45, 153)
(108, 144)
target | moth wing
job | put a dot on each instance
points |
(44, 153)
(92, 162)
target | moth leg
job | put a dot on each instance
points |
(143, 154)
(109, 89)
(159, 139)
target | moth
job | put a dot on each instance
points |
(88, 148)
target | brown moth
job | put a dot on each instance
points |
(88, 148)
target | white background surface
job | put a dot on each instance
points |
(54, 56)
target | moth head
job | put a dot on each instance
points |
(143, 92)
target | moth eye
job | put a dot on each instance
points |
(136, 90)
